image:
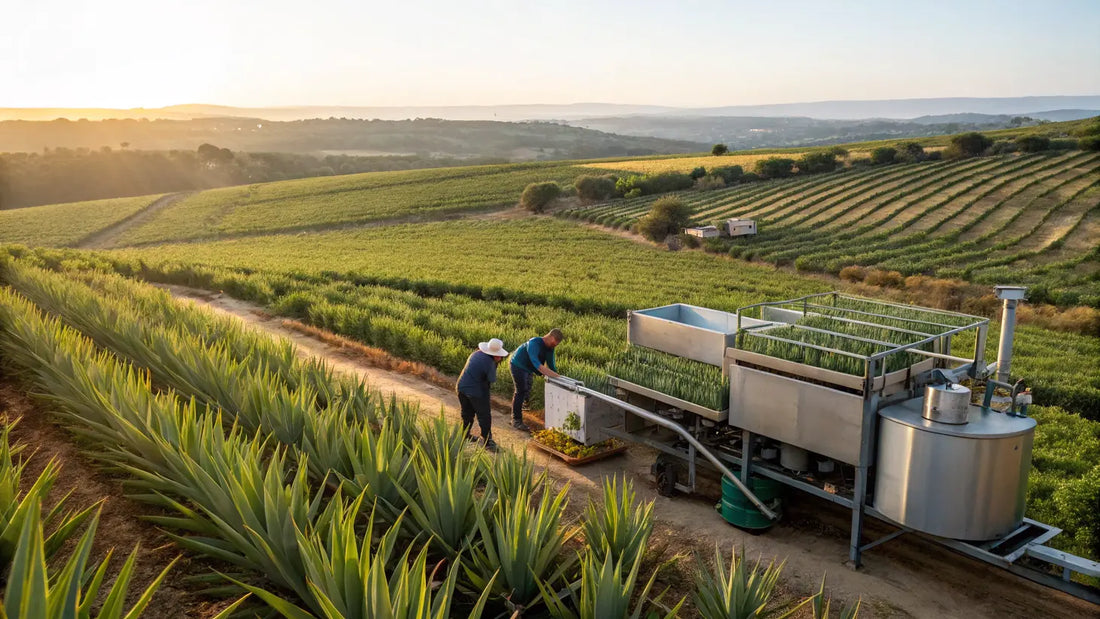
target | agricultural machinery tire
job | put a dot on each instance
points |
(665, 473)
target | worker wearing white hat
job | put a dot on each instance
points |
(473, 388)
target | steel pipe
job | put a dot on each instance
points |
(1011, 295)
(677, 428)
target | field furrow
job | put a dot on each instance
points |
(1002, 216)
(966, 209)
(807, 205)
(865, 209)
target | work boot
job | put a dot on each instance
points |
(472, 438)
(519, 425)
(491, 446)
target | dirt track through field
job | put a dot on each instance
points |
(905, 577)
(106, 238)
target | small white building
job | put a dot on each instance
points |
(740, 227)
(703, 232)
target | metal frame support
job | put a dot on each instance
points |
(866, 457)
(746, 456)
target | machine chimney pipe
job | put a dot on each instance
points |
(1011, 295)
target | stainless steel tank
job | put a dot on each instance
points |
(946, 403)
(963, 482)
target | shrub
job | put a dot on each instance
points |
(971, 144)
(537, 195)
(698, 173)
(910, 151)
(654, 183)
(885, 279)
(1093, 129)
(1002, 147)
(633, 193)
(729, 174)
(709, 182)
(883, 155)
(816, 163)
(934, 155)
(838, 151)
(1063, 144)
(775, 167)
(1091, 143)
(1032, 143)
(719, 150)
(749, 177)
(687, 240)
(668, 216)
(853, 273)
(860, 162)
(593, 188)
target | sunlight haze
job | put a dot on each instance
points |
(124, 53)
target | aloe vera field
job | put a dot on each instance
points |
(288, 488)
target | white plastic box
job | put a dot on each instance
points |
(592, 414)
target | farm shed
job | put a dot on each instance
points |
(703, 232)
(740, 227)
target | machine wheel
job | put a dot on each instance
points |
(664, 470)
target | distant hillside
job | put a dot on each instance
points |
(835, 110)
(745, 132)
(511, 141)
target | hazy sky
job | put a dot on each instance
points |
(149, 53)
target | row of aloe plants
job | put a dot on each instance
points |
(38, 578)
(238, 497)
(425, 472)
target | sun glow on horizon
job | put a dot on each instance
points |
(129, 54)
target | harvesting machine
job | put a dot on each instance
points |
(857, 401)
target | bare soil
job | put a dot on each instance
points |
(907, 577)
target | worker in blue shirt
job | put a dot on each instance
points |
(473, 389)
(535, 356)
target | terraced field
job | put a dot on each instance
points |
(1030, 218)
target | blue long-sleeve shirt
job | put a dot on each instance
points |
(530, 356)
(478, 375)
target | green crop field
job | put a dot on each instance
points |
(1033, 219)
(368, 257)
(343, 200)
(61, 225)
(428, 308)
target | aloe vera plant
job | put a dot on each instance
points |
(511, 476)
(16, 507)
(381, 466)
(606, 591)
(739, 592)
(619, 527)
(447, 501)
(521, 543)
(348, 579)
(822, 605)
(33, 593)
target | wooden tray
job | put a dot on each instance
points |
(571, 461)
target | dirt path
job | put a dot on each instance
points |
(106, 238)
(906, 577)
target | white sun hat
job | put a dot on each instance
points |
(494, 347)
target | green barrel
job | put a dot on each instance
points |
(739, 511)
